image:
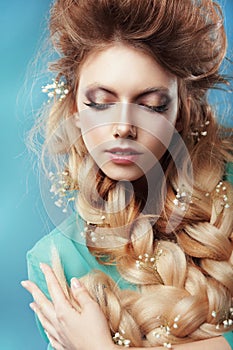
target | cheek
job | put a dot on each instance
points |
(159, 137)
(93, 136)
(155, 150)
(159, 152)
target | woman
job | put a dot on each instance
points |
(154, 204)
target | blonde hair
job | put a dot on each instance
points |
(188, 292)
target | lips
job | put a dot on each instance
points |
(123, 156)
(123, 151)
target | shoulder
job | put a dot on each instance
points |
(68, 241)
(62, 237)
(75, 257)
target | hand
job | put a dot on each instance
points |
(86, 329)
(66, 327)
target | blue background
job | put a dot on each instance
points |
(23, 219)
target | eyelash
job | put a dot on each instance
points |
(102, 106)
(158, 109)
(98, 106)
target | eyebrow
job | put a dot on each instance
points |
(157, 90)
(161, 90)
(95, 87)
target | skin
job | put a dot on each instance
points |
(117, 113)
(69, 329)
(125, 100)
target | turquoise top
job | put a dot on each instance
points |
(75, 257)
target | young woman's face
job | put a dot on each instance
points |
(127, 106)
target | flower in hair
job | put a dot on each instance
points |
(220, 197)
(183, 198)
(165, 330)
(90, 234)
(225, 318)
(201, 131)
(149, 262)
(221, 193)
(57, 89)
(61, 189)
(119, 339)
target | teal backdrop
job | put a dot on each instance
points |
(23, 219)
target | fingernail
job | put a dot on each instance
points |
(32, 306)
(75, 283)
(23, 283)
(42, 267)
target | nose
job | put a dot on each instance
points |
(124, 127)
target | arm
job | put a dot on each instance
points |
(68, 328)
(65, 326)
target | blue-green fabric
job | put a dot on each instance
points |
(229, 172)
(229, 338)
(76, 258)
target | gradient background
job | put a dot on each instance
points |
(23, 219)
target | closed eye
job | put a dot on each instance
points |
(98, 106)
(157, 109)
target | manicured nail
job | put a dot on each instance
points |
(23, 283)
(32, 306)
(42, 267)
(75, 283)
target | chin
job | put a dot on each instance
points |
(123, 176)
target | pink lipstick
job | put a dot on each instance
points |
(123, 155)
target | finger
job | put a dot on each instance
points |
(55, 290)
(41, 300)
(55, 343)
(80, 293)
(46, 324)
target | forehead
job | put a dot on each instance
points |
(126, 67)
